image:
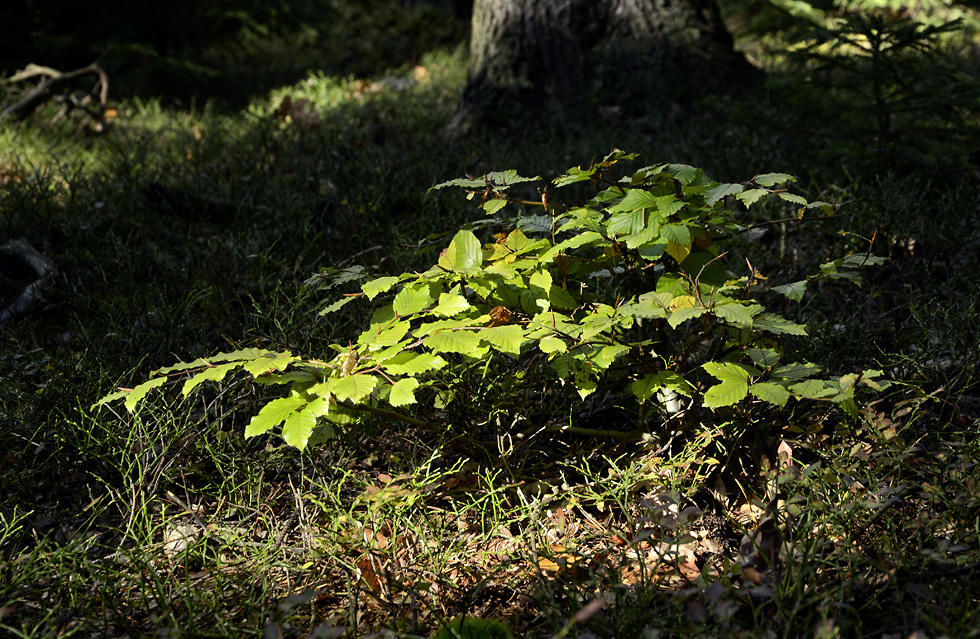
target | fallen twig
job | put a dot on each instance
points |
(46, 90)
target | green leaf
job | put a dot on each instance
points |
(111, 397)
(685, 174)
(769, 392)
(435, 326)
(560, 298)
(669, 205)
(298, 427)
(403, 392)
(388, 337)
(353, 387)
(268, 363)
(506, 339)
(728, 371)
(794, 291)
(750, 197)
(609, 354)
(585, 386)
(635, 200)
(778, 325)
(374, 288)
(678, 251)
(450, 304)
(626, 222)
(464, 254)
(411, 299)
(336, 306)
(735, 313)
(725, 394)
(646, 387)
(650, 385)
(796, 370)
(246, 354)
(408, 363)
(719, 191)
(765, 357)
(575, 241)
(678, 234)
(492, 206)
(826, 207)
(273, 414)
(285, 378)
(388, 353)
(516, 241)
(215, 373)
(497, 180)
(180, 366)
(650, 305)
(813, 389)
(643, 236)
(792, 197)
(552, 345)
(574, 175)
(772, 179)
(463, 342)
(135, 395)
(321, 406)
(684, 314)
(541, 280)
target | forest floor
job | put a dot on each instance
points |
(174, 234)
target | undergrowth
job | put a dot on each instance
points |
(177, 234)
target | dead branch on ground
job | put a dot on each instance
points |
(53, 81)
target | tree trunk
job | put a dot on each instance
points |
(527, 54)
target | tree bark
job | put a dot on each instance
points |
(528, 54)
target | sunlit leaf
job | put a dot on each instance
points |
(725, 394)
(506, 339)
(575, 174)
(735, 313)
(267, 363)
(464, 254)
(727, 371)
(492, 206)
(411, 299)
(813, 389)
(353, 387)
(778, 325)
(772, 179)
(134, 396)
(751, 196)
(273, 414)
(719, 191)
(413, 363)
(450, 304)
(635, 200)
(464, 342)
(769, 392)
(552, 345)
(215, 373)
(374, 288)
(792, 197)
(298, 427)
(681, 315)
(336, 306)
(403, 392)
(765, 357)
